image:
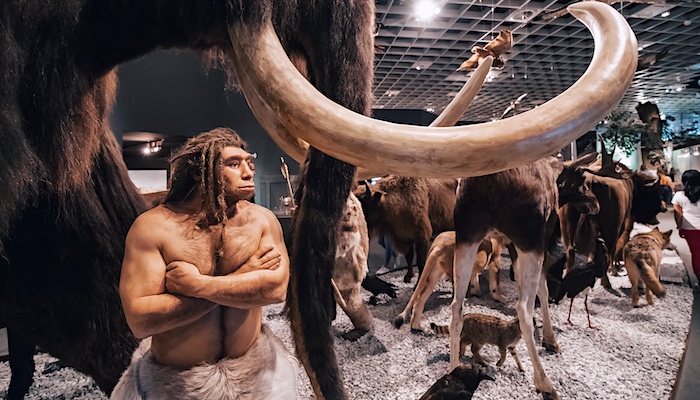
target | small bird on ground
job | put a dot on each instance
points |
(458, 384)
(377, 286)
(582, 278)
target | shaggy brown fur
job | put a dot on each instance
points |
(266, 371)
(642, 255)
(480, 329)
(410, 211)
(440, 259)
(66, 187)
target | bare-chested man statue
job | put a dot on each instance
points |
(197, 270)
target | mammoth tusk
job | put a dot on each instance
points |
(454, 111)
(443, 152)
(297, 148)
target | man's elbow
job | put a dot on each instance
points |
(278, 294)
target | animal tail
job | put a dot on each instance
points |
(321, 197)
(650, 279)
(440, 329)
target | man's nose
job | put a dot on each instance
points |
(247, 172)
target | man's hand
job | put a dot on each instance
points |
(182, 278)
(267, 257)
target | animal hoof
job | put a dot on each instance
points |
(552, 348)
(354, 334)
(398, 321)
(549, 395)
(407, 279)
(417, 331)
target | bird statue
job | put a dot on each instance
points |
(581, 278)
(514, 105)
(651, 59)
(495, 48)
(458, 384)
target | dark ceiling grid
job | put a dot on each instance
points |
(553, 54)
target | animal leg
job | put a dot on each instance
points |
(549, 341)
(571, 305)
(479, 265)
(463, 263)
(476, 355)
(409, 262)
(422, 245)
(429, 280)
(528, 274)
(516, 358)
(495, 279)
(21, 365)
(358, 312)
(502, 352)
(634, 277)
(585, 304)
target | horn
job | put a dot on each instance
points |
(442, 152)
(297, 148)
(585, 160)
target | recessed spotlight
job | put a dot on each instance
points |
(665, 14)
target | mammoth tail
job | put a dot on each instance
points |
(650, 279)
(321, 196)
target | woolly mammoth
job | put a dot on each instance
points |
(67, 202)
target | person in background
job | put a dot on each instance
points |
(389, 252)
(672, 175)
(666, 189)
(687, 213)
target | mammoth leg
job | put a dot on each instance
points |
(21, 364)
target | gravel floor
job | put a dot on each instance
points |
(635, 354)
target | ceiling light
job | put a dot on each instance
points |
(420, 65)
(425, 10)
(522, 15)
(665, 14)
(652, 11)
(391, 93)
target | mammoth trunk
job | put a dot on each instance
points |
(321, 197)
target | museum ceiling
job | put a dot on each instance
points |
(417, 58)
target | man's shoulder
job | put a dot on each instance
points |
(258, 209)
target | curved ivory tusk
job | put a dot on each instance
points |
(454, 111)
(444, 152)
(297, 148)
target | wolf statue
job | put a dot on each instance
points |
(66, 202)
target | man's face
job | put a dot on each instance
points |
(238, 171)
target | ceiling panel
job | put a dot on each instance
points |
(416, 59)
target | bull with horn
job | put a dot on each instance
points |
(66, 192)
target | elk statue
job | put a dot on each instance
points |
(66, 188)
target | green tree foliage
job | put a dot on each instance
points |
(622, 130)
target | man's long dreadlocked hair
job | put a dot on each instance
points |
(196, 167)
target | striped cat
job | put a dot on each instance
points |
(480, 329)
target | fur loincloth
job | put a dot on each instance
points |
(267, 371)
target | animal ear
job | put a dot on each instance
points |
(656, 228)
